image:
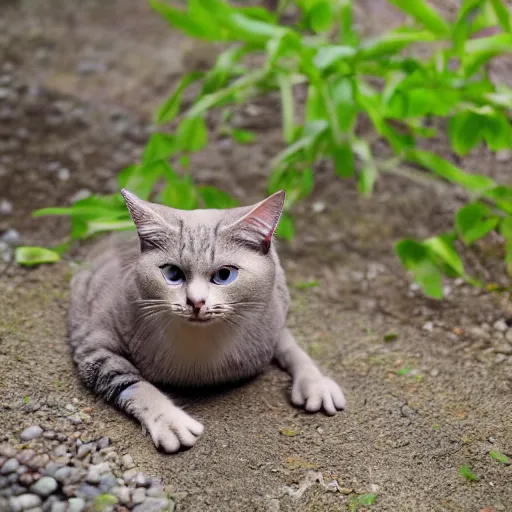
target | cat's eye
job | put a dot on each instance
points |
(173, 274)
(225, 275)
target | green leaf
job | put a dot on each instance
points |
(326, 56)
(141, 179)
(243, 136)
(463, 27)
(392, 43)
(285, 228)
(444, 248)
(450, 172)
(503, 14)
(367, 499)
(497, 131)
(180, 193)
(287, 106)
(465, 132)
(192, 134)
(416, 257)
(101, 226)
(160, 146)
(44, 212)
(480, 50)
(320, 17)
(170, 108)
(30, 256)
(472, 222)
(215, 198)
(500, 457)
(347, 34)
(468, 474)
(368, 173)
(343, 157)
(424, 14)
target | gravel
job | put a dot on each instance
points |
(55, 472)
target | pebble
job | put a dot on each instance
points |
(123, 494)
(129, 475)
(500, 326)
(31, 433)
(138, 495)
(127, 462)
(10, 466)
(44, 486)
(24, 502)
(154, 505)
(63, 174)
(76, 504)
(140, 480)
(93, 476)
(428, 326)
(85, 450)
(8, 451)
(63, 474)
(103, 443)
(11, 237)
(5, 207)
(59, 506)
(508, 335)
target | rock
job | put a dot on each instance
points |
(62, 474)
(39, 461)
(25, 456)
(123, 494)
(129, 475)
(127, 462)
(85, 450)
(140, 480)
(154, 505)
(508, 335)
(87, 491)
(11, 237)
(103, 443)
(76, 505)
(500, 326)
(44, 486)
(428, 326)
(93, 476)
(4, 93)
(59, 506)
(64, 174)
(21, 470)
(138, 495)
(31, 433)
(27, 479)
(5, 207)
(60, 450)
(503, 348)
(107, 482)
(24, 502)
(8, 451)
(155, 492)
(10, 466)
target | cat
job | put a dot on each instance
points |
(199, 299)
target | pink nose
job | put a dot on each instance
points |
(197, 305)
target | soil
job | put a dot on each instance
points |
(84, 79)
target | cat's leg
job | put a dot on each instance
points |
(115, 379)
(310, 388)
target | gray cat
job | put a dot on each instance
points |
(200, 300)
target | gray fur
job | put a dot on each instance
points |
(130, 329)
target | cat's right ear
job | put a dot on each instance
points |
(151, 228)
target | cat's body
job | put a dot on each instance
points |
(201, 299)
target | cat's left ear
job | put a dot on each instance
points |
(151, 228)
(259, 225)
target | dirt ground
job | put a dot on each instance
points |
(82, 78)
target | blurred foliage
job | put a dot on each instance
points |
(347, 78)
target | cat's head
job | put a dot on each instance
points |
(205, 266)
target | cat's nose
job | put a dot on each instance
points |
(196, 304)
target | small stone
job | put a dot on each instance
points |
(4, 93)
(127, 462)
(503, 348)
(59, 506)
(103, 443)
(140, 480)
(21, 470)
(26, 479)
(62, 474)
(155, 492)
(93, 476)
(500, 358)
(10, 466)
(70, 408)
(508, 335)
(44, 486)
(63, 174)
(123, 494)
(8, 451)
(84, 450)
(60, 450)
(24, 502)
(154, 505)
(138, 495)
(428, 326)
(5, 207)
(39, 461)
(500, 326)
(129, 475)
(76, 505)
(31, 433)
(107, 482)
(87, 491)
(84, 193)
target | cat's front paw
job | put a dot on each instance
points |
(174, 429)
(317, 392)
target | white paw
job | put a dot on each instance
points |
(174, 429)
(317, 392)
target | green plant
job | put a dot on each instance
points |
(347, 78)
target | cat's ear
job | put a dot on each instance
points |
(151, 228)
(259, 225)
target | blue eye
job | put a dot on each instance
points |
(225, 275)
(173, 274)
